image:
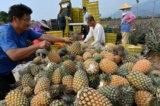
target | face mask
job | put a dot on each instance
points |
(126, 11)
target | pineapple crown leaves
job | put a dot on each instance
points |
(79, 65)
(64, 70)
(153, 102)
(63, 51)
(68, 99)
(98, 58)
(105, 77)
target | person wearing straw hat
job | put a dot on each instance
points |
(127, 18)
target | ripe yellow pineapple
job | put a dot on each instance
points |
(54, 56)
(84, 45)
(117, 59)
(108, 66)
(80, 80)
(70, 66)
(42, 99)
(68, 82)
(79, 58)
(108, 55)
(16, 98)
(26, 79)
(90, 97)
(118, 80)
(42, 85)
(28, 91)
(142, 98)
(56, 77)
(92, 67)
(76, 48)
(143, 66)
(113, 46)
(87, 55)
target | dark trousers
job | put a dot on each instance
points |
(5, 82)
(85, 31)
(63, 29)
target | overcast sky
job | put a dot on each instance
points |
(48, 9)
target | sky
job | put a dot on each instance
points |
(48, 9)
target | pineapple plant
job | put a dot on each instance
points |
(16, 98)
(143, 66)
(42, 85)
(108, 66)
(54, 56)
(90, 97)
(56, 77)
(42, 99)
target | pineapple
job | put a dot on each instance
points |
(84, 45)
(127, 66)
(108, 55)
(94, 80)
(104, 79)
(90, 97)
(79, 58)
(42, 85)
(57, 103)
(98, 58)
(42, 99)
(56, 76)
(95, 54)
(92, 68)
(86, 63)
(142, 98)
(76, 48)
(80, 80)
(118, 80)
(28, 91)
(68, 82)
(16, 98)
(143, 66)
(125, 56)
(70, 66)
(26, 79)
(16, 84)
(127, 95)
(87, 55)
(37, 60)
(113, 46)
(110, 92)
(54, 56)
(121, 72)
(140, 80)
(34, 69)
(117, 59)
(108, 66)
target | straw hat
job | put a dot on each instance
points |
(125, 6)
(44, 24)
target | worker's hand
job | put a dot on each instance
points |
(44, 44)
(68, 40)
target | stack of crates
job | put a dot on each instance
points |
(56, 33)
(93, 9)
(111, 38)
(84, 3)
(81, 17)
(76, 15)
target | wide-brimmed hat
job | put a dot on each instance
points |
(125, 6)
(44, 24)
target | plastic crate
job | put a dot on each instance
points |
(56, 33)
(134, 49)
(77, 29)
(111, 38)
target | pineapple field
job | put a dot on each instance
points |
(82, 75)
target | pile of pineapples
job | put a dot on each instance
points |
(82, 75)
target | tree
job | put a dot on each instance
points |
(3, 16)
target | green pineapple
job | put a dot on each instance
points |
(122, 72)
(56, 76)
(57, 103)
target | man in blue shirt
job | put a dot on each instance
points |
(13, 43)
(85, 26)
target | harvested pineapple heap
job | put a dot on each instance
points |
(81, 75)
